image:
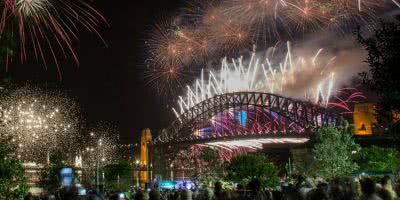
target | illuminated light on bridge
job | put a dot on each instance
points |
(254, 143)
(267, 116)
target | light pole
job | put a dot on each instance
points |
(98, 163)
(151, 171)
(172, 172)
(97, 175)
(104, 182)
(183, 173)
(91, 156)
(137, 177)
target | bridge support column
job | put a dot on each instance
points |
(144, 157)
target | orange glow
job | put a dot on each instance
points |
(364, 118)
(145, 138)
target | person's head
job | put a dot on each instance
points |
(254, 184)
(385, 195)
(323, 187)
(218, 187)
(367, 186)
(227, 195)
(239, 187)
(141, 196)
(385, 181)
(154, 195)
(319, 194)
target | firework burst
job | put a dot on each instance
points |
(209, 30)
(169, 79)
(172, 49)
(171, 44)
(39, 123)
(281, 77)
(49, 27)
(262, 18)
(223, 34)
(99, 147)
(270, 19)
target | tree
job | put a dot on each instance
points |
(12, 178)
(334, 153)
(243, 168)
(383, 74)
(303, 161)
(378, 159)
(118, 176)
(50, 178)
(211, 166)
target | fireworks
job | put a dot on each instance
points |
(210, 30)
(48, 27)
(99, 147)
(172, 49)
(269, 19)
(39, 123)
(345, 99)
(223, 34)
(170, 46)
(167, 80)
(267, 76)
(262, 18)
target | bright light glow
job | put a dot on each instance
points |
(254, 143)
(38, 122)
(78, 161)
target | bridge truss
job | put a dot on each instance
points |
(247, 116)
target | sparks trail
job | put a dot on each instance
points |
(293, 76)
(49, 27)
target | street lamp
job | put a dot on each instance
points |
(98, 163)
(172, 172)
(137, 177)
(151, 171)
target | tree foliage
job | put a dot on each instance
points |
(211, 169)
(247, 167)
(334, 153)
(118, 176)
(50, 177)
(378, 159)
(303, 161)
(383, 74)
(12, 178)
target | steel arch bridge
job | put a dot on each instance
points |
(247, 115)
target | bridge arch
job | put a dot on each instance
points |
(306, 116)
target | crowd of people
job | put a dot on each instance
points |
(302, 189)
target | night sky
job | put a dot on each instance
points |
(108, 84)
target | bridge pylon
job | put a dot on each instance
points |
(144, 156)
